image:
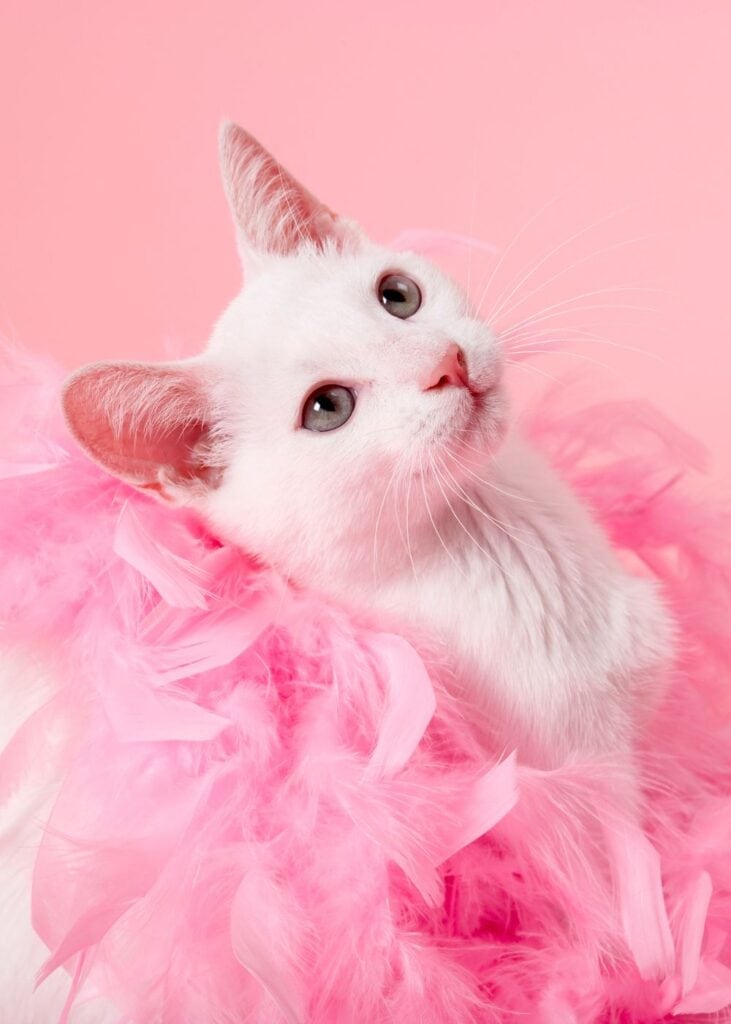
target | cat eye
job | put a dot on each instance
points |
(399, 295)
(328, 408)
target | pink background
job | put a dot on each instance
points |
(114, 236)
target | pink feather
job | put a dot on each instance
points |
(270, 811)
(712, 992)
(642, 903)
(408, 708)
(178, 582)
(693, 914)
(264, 938)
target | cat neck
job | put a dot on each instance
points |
(507, 524)
(537, 618)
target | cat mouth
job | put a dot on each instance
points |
(481, 424)
(472, 417)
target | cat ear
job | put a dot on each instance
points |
(272, 211)
(151, 425)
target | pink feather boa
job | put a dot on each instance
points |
(272, 812)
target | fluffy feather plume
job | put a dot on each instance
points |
(273, 812)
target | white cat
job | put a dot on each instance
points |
(348, 412)
(347, 422)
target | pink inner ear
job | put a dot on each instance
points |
(146, 424)
(274, 213)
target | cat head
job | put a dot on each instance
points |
(343, 376)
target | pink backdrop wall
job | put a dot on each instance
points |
(114, 237)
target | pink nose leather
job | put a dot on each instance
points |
(451, 369)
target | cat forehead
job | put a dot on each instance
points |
(318, 281)
(320, 312)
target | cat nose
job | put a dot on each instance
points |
(451, 369)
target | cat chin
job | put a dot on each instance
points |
(469, 414)
(482, 431)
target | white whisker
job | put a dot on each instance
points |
(507, 334)
(490, 458)
(546, 335)
(504, 298)
(560, 273)
(407, 520)
(533, 369)
(519, 233)
(460, 492)
(490, 556)
(387, 488)
(551, 351)
(449, 554)
(564, 306)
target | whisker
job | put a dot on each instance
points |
(431, 517)
(564, 352)
(407, 521)
(489, 555)
(644, 325)
(502, 335)
(583, 336)
(460, 492)
(490, 458)
(486, 483)
(533, 369)
(615, 289)
(503, 298)
(578, 263)
(396, 507)
(519, 233)
(378, 518)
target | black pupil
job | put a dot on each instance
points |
(399, 295)
(323, 403)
